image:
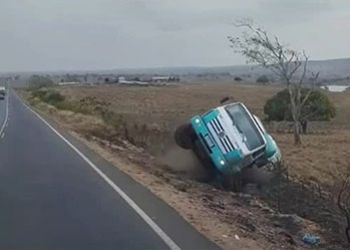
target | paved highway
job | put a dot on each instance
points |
(57, 194)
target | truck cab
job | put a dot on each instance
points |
(231, 137)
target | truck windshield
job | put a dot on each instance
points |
(245, 125)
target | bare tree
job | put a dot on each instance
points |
(343, 202)
(288, 65)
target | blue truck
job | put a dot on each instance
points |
(228, 139)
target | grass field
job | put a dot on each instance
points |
(152, 114)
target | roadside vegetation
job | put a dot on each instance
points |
(318, 107)
(142, 120)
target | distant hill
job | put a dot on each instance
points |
(335, 71)
(330, 70)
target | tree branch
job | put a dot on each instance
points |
(289, 65)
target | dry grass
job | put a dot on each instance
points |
(322, 157)
(152, 113)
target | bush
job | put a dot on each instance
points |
(38, 93)
(49, 96)
(318, 107)
(53, 97)
(263, 79)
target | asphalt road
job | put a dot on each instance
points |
(52, 198)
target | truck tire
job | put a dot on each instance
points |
(210, 172)
(202, 155)
(185, 136)
(232, 182)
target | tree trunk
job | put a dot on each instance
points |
(295, 110)
(304, 126)
(297, 136)
(347, 233)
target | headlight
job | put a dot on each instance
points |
(222, 162)
(197, 120)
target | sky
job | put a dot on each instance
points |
(109, 34)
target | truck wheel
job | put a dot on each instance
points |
(202, 155)
(232, 182)
(184, 136)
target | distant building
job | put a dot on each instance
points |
(68, 83)
(122, 80)
(161, 79)
(336, 88)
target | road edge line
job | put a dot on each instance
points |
(6, 113)
(167, 240)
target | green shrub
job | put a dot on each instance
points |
(53, 97)
(38, 93)
(318, 107)
(49, 96)
(263, 79)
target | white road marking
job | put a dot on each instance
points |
(6, 114)
(167, 240)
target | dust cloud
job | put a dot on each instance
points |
(184, 161)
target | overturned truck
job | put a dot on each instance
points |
(228, 139)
